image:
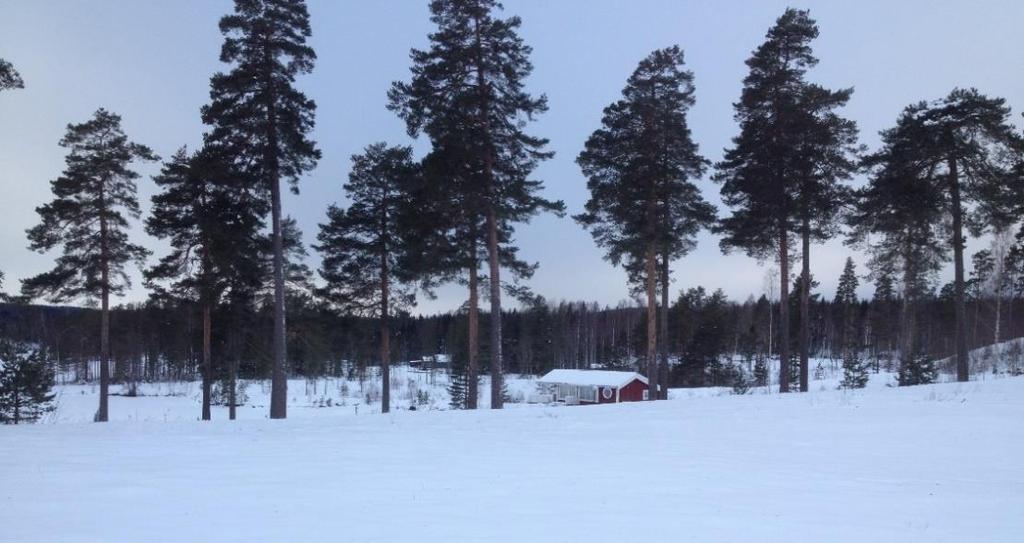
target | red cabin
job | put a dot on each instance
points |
(574, 387)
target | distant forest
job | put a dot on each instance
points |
(154, 342)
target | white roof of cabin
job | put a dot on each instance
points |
(601, 378)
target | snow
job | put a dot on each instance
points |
(602, 378)
(326, 397)
(930, 463)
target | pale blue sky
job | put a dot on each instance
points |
(151, 61)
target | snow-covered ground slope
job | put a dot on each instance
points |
(1004, 357)
(931, 463)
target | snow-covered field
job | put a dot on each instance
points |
(931, 463)
(325, 397)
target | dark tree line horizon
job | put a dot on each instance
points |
(949, 168)
(712, 328)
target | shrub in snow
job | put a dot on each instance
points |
(1013, 355)
(25, 384)
(515, 397)
(988, 359)
(458, 386)
(794, 370)
(855, 371)
(919, 370)
(221, 389)
(761, 372)
(371, 392)
(819, 372)
(740, 381)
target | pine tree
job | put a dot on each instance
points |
(457, 385)
(960, 147)
(364, 247)
(761, 371)
(884, 288)
(26, 384)
(898, 218)
(855, 370)
(918, 369)
(639, 166)
(260, 119)
(93, 199)
(782, 174)
(9, 77)
(198, 212)
(467, 95)
(461, 385)
(826, 158)
(846, 291)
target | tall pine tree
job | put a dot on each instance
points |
(259, 118)
(364, 247)
(9, 79)
(964, 147)
(93, 199)
(639, 166)
(782, 175)
(898, 219)
(198, 212)
(467, 95)
(825, 158)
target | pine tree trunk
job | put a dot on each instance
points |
(783, 308)
(652, 323)
(848, 331)
(975, 339)
(493, 262)
(102, 414)
(232, 386)
(472, 370)
(962, 371)
(279, 382)
(279, 375)
(910, 319)
(909, 285)
(663, 329)
(999, 317)
(385, 336)
(805, 304)
(497, 372)
(207, 363)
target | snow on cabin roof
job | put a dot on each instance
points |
(601, 378)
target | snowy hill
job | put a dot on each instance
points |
(930, 463)
(1003, 357)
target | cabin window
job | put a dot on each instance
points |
(588, 393)
(647, 394)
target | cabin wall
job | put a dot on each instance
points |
(633, 392)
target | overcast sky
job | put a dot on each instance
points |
(150, 61)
